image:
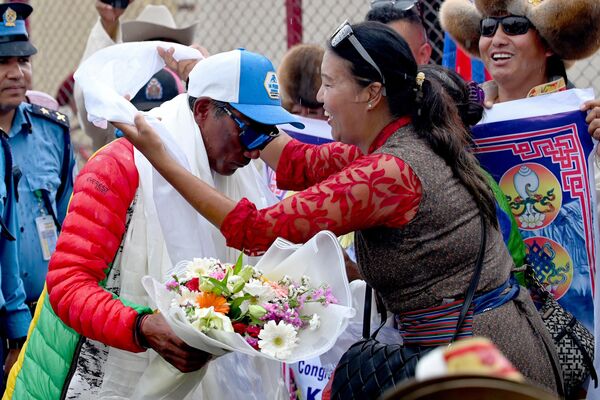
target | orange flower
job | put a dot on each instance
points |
(208, 299)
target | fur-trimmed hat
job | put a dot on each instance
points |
(570, 27)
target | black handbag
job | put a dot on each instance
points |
(369, 368)
(574, 342)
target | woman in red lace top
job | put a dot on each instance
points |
(402, 177)
(343, 186)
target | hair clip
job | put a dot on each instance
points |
(476, 93)
(420, 79)
(419, 89)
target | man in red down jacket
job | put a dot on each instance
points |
(104, 200)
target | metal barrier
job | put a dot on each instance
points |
(60, 29)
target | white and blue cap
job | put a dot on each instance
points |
(245, 80)
(14, 40)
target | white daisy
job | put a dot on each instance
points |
(187, 297)
(198, 267)
(277, 340)
(260, 290)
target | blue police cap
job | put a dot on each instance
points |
(14, 40)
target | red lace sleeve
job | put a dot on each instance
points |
(377, 189)
(302, 165)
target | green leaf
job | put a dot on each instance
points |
(222, 287)
(238, 286)
(254, 320)
(235, 313)
(246, 273)
(238, 264)
(238, 301)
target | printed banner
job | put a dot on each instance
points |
(311, 376)
(539, 152)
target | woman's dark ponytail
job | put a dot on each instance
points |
(437, 119)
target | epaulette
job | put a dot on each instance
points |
(52, 115)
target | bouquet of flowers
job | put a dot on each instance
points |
(239, 298)
(291, 306)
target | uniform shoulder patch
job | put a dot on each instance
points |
(52, 115)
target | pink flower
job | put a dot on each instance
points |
(329, 298)
(252, 342)
(218, 275)
(316, 294)
(280, 291)
(172, 285)
(282, 312)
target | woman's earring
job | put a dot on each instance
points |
(370, 105)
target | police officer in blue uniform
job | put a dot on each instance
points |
(41, 149)
(14, 314)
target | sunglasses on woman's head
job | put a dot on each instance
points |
(401, 5)
(253, 136)
(512, 25)
(345, 32)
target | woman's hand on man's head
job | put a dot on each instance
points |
(143, 137)
(182, 67)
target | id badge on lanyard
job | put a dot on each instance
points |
(46, 229)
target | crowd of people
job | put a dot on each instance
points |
(398, 175)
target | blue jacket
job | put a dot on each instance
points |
(15, 315)
(41, 149)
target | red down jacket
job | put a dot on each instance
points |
(91, 234)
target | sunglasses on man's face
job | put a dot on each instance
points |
(253, 136)
(345, 32)
(512, 25)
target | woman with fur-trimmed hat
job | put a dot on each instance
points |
(525, 44)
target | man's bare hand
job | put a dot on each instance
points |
(109, 17)
(352, 270)
(11, 358)
(182, 68)
(205, 53)
(593, 117)
(159, 335)
(490, 89)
